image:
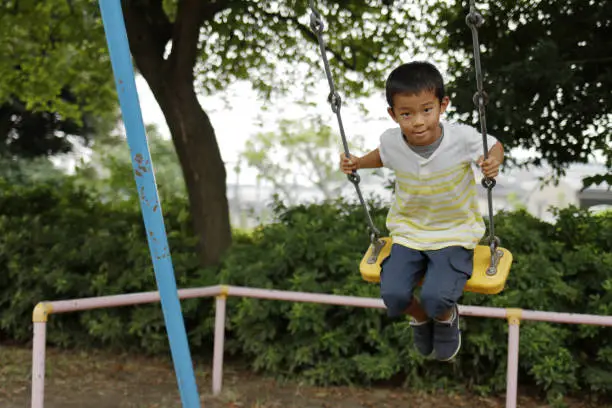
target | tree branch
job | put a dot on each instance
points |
(309, 35)
(149, 31)
(190, 16)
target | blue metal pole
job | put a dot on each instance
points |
(116, 37)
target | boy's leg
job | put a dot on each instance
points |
(400, 274)
(416, 311)
(447, 273)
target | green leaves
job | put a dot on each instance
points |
(55, 78)
(60, 242)
(272, 45)
(317, 248)
(50, 47)
(547, 71)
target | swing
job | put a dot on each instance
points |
(491, 262)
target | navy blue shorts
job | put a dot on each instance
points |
(445, 270)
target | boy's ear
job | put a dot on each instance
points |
(391, 113)
(444, 104)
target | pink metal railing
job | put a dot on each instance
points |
(514, 317)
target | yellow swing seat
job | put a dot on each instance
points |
(480, 282)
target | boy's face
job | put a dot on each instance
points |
(419, 116)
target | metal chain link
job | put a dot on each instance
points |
(316, 24)
(474, 20)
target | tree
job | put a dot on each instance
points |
(54, 75)
(548, 74)
(295, 156)
(55, 86)
(36, 133)
(188, 46)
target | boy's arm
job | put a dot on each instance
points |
(497, 152)
(371, 160)
(490, 167)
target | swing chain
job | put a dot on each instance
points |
(474, 20)
(316, 22)
(334, 99)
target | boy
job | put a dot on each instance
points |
(434, 221)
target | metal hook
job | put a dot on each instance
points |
(496, 255)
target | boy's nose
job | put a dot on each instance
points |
(418, 121)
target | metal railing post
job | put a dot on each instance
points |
(39, 346)
(514, 321)
(220, 312)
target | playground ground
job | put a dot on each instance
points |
(98, 379)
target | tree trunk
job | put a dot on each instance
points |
(203, 168)
(171, 81)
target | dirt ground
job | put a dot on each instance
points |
(103, 380)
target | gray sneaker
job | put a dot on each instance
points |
(447, 337)
(422, 333)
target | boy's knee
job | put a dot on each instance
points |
(435, 303)
(396, 301)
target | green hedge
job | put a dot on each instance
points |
(58, 242)
(563, 268)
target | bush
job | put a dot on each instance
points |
(563, 268)
(61, 242)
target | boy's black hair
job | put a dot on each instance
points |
(412, 78)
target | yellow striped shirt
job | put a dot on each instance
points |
(435, 203)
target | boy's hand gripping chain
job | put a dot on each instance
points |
(316, 24)
(474, 20)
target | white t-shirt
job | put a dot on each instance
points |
(435, 202)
